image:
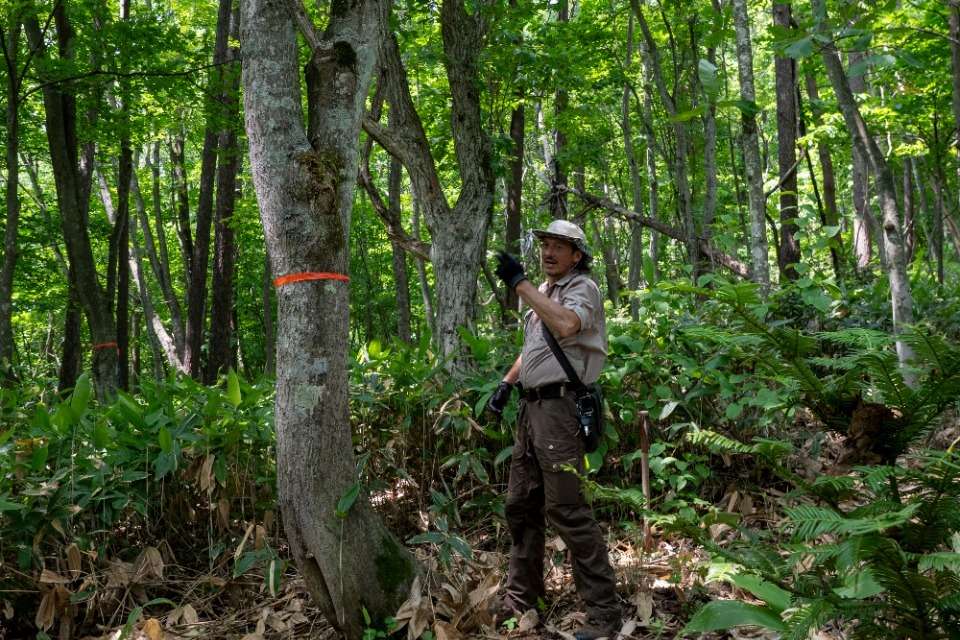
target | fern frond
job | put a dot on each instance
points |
(717, 443)
(940, 561)
(809, 522)
(884, 370)
(806, 618)
(857, 338)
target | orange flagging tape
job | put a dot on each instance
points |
(105, 345)
(309, 275)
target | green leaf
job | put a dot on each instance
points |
(101, 435)
(165, 439)
(6, 505)
(246, 562)
(233, 388)
(685, 116)
(800, 48)
(80, 397)
(347, 499)
(725, 614)
(461, 547)
(505, 453)
(707, 72)
(861, 584)
(433, 537)
(777, 598)
(668, 409)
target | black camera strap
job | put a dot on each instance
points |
(562, 357)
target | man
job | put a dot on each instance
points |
(547, 438)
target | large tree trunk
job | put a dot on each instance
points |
(71, 358)
(305, 186)
(900, 297)
(60, 120)
(123, 260)
(11, 45)
(786, 81)
(197, 290)
(220, 350)
(759, 251)
(955, 64)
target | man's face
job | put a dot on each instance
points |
(557, 257)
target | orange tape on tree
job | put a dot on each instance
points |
(105, 345)
(309, 275)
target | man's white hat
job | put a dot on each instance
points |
(565, 230)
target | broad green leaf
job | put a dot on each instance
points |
(800, 48)
(347, 499)
(505, 453)
(101, 435)
(246, 562)
(6, 505)
(726, 614)
(80, 397)
(861, 584)
(233, 388)
(777, 598)
(165, 440)
(707, 72)
(685, 116)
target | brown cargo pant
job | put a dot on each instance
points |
(547, 439)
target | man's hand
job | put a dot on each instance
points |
(499, 399)
(509, 269)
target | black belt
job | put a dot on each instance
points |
(546, 392)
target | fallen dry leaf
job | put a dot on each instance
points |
(74, 559)
(206, 473)
(446, 631)
(189, 615)
(46, 611)
(7, 610)
(52, 577)
(149, 564)
(628, 628)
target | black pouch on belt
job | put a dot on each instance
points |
(589, 399)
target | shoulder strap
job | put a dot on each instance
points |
(562, 357)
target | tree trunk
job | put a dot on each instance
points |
(269, 333)
(60, 120)
(71, 360)
(178, 173)
(220, 350)
(900, 297)
(759, 251)
(831, 213)
(909, 224)
(10, 248)
(197, 291)
(514, 201)
(635, 269)
(123, 260)
(425, 293)
(862, 241)
(954, 10)
(558, 172)
(400, 279)
(305, 187)
(787, 152)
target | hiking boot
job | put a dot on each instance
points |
(600, 626)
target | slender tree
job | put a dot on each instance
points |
(759, 252)
(786, 82)
(11, 44)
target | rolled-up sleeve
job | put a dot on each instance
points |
(583, 298)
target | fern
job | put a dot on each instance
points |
(809, 522)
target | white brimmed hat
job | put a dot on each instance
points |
(565, 230)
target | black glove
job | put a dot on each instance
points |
(499, 399)
(509, 269)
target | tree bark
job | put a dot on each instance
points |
(954, 9)
(305, 186)
(269, 333)
(11, 44)
(759, 251)
(909, 223)
(900, 296)
(786, 82)
(514, 201)
(178, 173)
(60, 120)
(220, 350)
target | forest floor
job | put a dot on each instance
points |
(658, 590)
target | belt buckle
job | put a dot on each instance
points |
(563, 389)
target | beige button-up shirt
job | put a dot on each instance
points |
(586, 350)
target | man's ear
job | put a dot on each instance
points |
(578, 255)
